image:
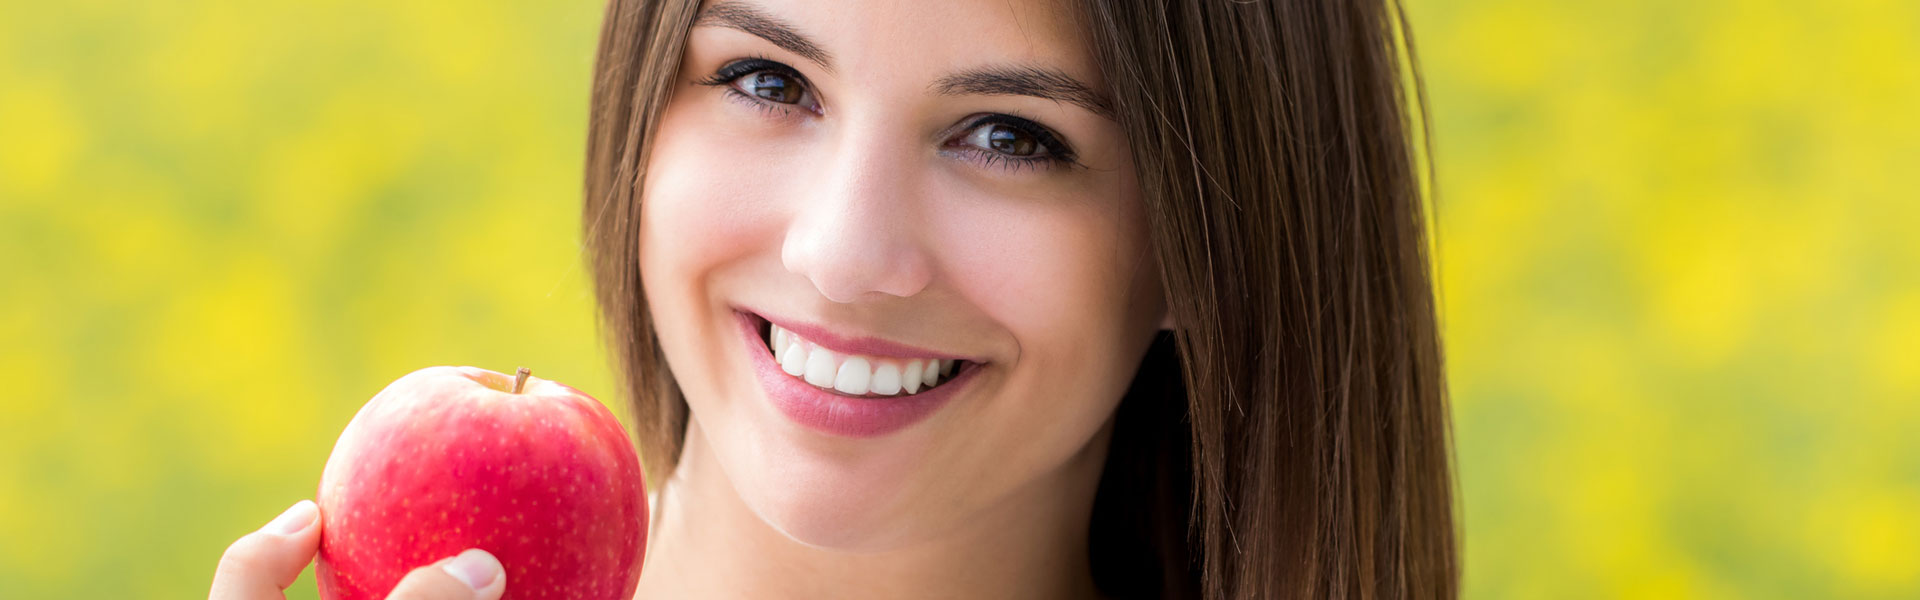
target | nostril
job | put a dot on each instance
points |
(854, 261)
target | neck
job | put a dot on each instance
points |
(706, 542)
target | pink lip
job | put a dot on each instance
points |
(860, 345)
(838, 414)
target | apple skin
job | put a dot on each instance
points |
(449, 458)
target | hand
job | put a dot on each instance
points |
(262, 564)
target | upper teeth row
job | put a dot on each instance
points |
(854, 373)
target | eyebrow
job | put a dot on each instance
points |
(1022, 80)
(1039, 82)
(752, 20)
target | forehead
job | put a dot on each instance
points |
(866, 38)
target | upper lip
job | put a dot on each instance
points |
(822, 336)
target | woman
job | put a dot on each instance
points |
(988, 299)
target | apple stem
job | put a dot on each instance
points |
(520, 379)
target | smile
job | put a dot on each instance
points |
(850, 387)
(856, 374)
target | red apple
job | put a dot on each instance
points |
(449, 458)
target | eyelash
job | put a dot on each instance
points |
(1058, 153)
(733, 71)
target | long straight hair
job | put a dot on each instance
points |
(1290, 437)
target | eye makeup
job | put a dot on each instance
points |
(1053, 150)
(995, 141)
(731, 74)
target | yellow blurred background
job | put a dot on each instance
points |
(1679, 262)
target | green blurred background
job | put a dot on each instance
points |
(1680, 274)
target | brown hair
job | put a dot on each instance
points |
(1290, 438)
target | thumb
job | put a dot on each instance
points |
(264, 562)
(471, 575)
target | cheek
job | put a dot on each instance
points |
(1069, 280)
(697, 216)
(698, 209)
(1064, 274)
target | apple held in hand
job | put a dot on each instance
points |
(450, 458)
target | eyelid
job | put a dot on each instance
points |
(734, 70)
(739, 68)
(995, 160)
(1056, 147)
(1058, 151)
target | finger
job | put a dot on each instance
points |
(262, 564)
(472, 575)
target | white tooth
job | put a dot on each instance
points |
(854, 375)
(793, 360)
(820, 367)
(886, 379)
(779, 338)
(946, 368)
(933, 373)
(911, 379)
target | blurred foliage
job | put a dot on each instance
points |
(1681, 293)
(228, 224)
(1680, 279)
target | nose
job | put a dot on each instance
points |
(855, 234)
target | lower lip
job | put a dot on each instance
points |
(835, 414)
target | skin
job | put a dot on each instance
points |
(867, 211)
(261, 565)
(870, 208)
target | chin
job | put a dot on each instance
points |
(830, 526)
(824, 506)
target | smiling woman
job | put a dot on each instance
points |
(1035, 299)
(987, 299)
(1022, 299)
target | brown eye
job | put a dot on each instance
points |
(1007, 140)
(772, 86)
(1011, 143)
(764, 84)
(1004, 139)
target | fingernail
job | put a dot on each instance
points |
(475, 567)
(295, 520)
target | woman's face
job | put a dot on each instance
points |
(894, 183)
